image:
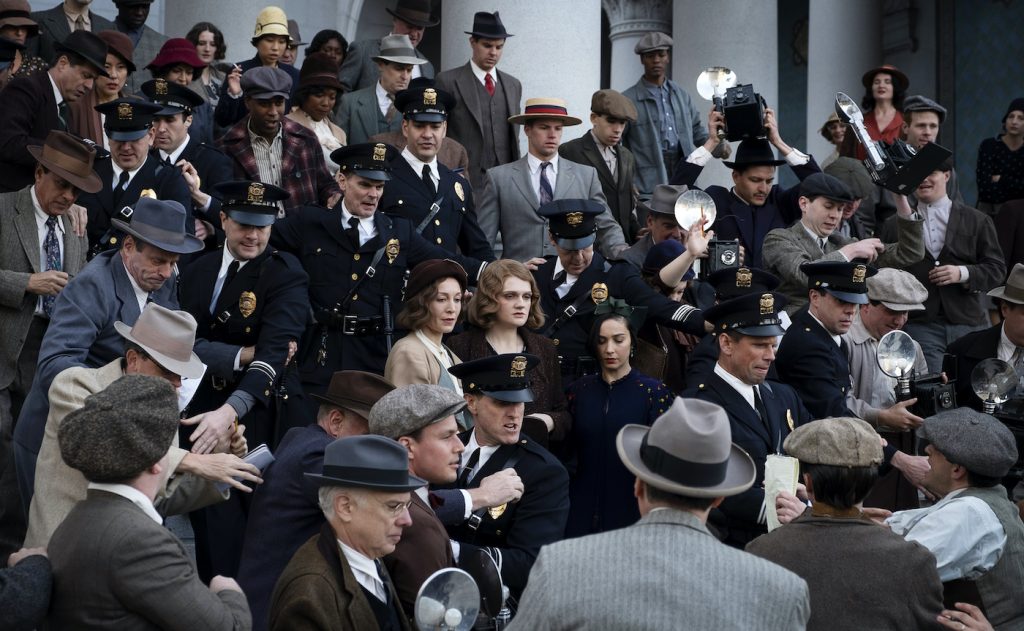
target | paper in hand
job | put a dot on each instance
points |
(781, 473)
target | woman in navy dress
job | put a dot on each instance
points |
(601, 489)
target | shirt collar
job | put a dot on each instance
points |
(73, 15)
(131, 174)
(746, 390)
(835, 338)
(131, 494)
(381, 93)
(480, 73)
(814, 236)
(603, 148)
(41, 216)
(1005, 345)
(485, 452)
(858, 333)
(227, 258)
(141, 296)
(534, 163)
(56, 91)
(359, 561)
(417, 164)
(651, 86)
(944, 204)
(174, 155)
(253, 136)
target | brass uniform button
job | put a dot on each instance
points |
(355, 276)
(355, 257)
(439, 240)
(355, 297)
(248, 329)
(318, 250)
(437, 222)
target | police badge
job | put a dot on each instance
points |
(744, 277)
(161, 87)
(147, 192)
(124, 111)
(247, 303)
(767, 304)
(391, 249)
(458, 191)
(859, 273)
(599, 293)
(497, 511)
(255, 193)
(429, 97)
(574, 219)
(518, 367)
(380, 152)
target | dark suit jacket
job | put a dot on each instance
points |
(818, 369)
(145, 52)
(969, 351)
(53, 28)
(619, 191)
(28, 584)
(116, 568)
(359, 70)
(423, 550)
(1010, 228)
(30, 113)
(213, 167)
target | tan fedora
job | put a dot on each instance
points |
(1013, 290)
(69, 157)
(688, 451)
(271, 21)
(355, 390)
(168, 336)
(544, 107)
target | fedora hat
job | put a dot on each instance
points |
(754, 152)
(18, 13)
(663, 201)
(1013, 290)
(121, 45)
(88, 46)
(319, 71)
(160, 223)
(69, 157)
(398, 49)
(369, 462)
(270, 21)
(355, 390)
(176, 51)
(544, 107)
(899, 80)
(415, 12)
(688, 451)
(293, 35)
(488, 26)
(168, 336)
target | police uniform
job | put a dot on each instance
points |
(454, 225)
(740, 519)
(126, 120)
(513, 533)
(263, 303)
(809, 359)
(568, 318)
(348, 300)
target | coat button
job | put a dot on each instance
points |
(355, 257)
(355, 297)
(266, 393)
(555, 341)
(399, 202)
(248, 329)
(439, 240)
(437, 222)
(355, 276)
(318, 250)
(497, 532)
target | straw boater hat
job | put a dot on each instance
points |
(70, 158)
(544, 107)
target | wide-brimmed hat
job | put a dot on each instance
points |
(415, 12)
(488, 26)
(900, 81)
(177, 51)
(398, 49)
(160, 223)
(18, 13)
(168, 337)
(688, 450)
(1013, 289)
(121, 45)
(369, 462)
(754, 152)
(88, 46)
(271, 21)
(319, 71)
(69, 157)
(355, 390)
(544, 107)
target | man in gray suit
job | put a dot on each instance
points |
(115, 565)
(39, 252)
(359, 70)
(131, 20)
(667, 571)
(515, 191)
(371, 110)
(487, 97)
(57, 23)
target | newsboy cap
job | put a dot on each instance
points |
(122, 430)
(613, 104)
(971, 439)
(651, 41)
(827, 186)
(405, 410)
(840, 442)
(897, 289)
(918, 103)
(265, 82)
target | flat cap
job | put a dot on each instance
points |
(613, 104)
(918, 103)
(827, 186)
(854, 174)
(264, 82)
(651, 41)
(897, 289)
(839, 441)
(405, 410)
(122, 430)
(971, 439)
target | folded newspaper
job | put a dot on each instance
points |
(781, 473)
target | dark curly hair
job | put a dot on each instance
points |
(218, 38)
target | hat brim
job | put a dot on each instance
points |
(754, 163)
(97, 65)
(998, 292)
(763, 330)
(249, 217)
(427, 117)
(739, 476)
(511, 396)
(901, 79)
(193, 368)
(126, 136)
(379, 176)
(267, 95)
(408, 61)
(522, 119)
(848, 296)
(90, 184)
(362, 408)
(189, 245)
(489, 35)
(914, 306)
(272, 29)
(576, 244)
(321, 81)
(323, 480)
(412, 20)
(169, 110)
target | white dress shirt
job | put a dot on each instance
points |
(480, 73)
(485, 455)
(173, 156)
(570, 279)
(131, 174)
(365, 571)
(417, 166)
(551, 172)
(41, 231)
(367, 229)
(745, 390)
(141, 296)
(131, 494)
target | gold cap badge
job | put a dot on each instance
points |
(380, 151)
(859, 273)
(429, 97)
(574, 219)
(744, 277)
(161, 87)
(518, 367)
(255, 193)
(767, 304)
(124, 111)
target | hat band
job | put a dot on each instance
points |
(678, 470)
(545, 109)
(1014, 293)
(14, 13)
(66, 162)
(483, 387)
(412, 14)
(383, 477)
(397, 52)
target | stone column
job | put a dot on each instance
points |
(554, 51)
(629, 20)
(737, 34)
(844, 41)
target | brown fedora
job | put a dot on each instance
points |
(168, 337)
(18, 13)
(355, 390)
(1013, 290)
(69, 157)
(121, 45)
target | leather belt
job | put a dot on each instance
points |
(351, 324)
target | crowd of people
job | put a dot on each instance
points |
(336, 317)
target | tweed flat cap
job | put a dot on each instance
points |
(918, 103)
(405, 410)
(827, 186)
(614, 104)
(652, 41)
(897, 289)
(971, 439)
(122, 430)
(854, 174)
(840, 441)
(265, 82)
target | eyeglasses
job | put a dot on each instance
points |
(397, 508)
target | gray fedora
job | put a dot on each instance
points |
(688, 451)
(663, 201)
(369, 462)
(168, 336)
(1013, 289)
(398, 49)
(161, 224)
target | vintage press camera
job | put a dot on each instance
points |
(997, 384)
(896, 354)
(742, 108)
(693, 206)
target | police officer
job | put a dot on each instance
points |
(250, 302)
(577, 279)
(761, 412)
(130, 173)
(436, 200)
(496, 389)
(357, 260)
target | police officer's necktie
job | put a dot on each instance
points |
(761, 410)
(429, 181)
(489, 83)
(353, 231)
(222, 283)
(546, 194)
(51, 247)
(122, 183)
(467, 471)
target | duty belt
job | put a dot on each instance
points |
(351, 324)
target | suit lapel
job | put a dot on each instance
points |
(106, 194)
(124, 291)
(525, 183)
(368, 111)
(591, 151)
(807, 243)
(952, 227)
(71, 247)
(25, 224)
(566, 176)
(745, 219)
(466, 83)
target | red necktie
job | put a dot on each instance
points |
(489, 84)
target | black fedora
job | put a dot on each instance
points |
(369, 462)
(415, 12)
(754, 152)
(488, 26)
(160, 223)
(88, 46)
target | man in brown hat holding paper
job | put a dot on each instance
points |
(685, 464)
(39, 252)
(359, 69)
